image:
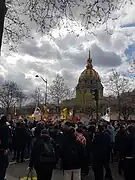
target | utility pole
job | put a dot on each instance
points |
(3, 10)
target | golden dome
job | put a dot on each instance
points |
(89, 71)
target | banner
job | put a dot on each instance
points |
(45, 112)
(37, 114)
(71, 112)
(107, 117)
(64, 114)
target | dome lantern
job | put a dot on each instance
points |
(89, 62)
(89, 72)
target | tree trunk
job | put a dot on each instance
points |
(58, 106)
(119, 106)
(20, 107)
(3, 11)
(7, 111)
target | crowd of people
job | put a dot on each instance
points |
(74, 148)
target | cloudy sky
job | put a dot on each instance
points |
(67, 54)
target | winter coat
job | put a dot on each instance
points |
(20, 137)
(72, 152)
(101, 147)
(4, 137)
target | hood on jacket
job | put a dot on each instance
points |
(45, 135)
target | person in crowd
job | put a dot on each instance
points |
(14, 143)
(4, 143)
(28, 141)
(43, 157)
(129, 154)
(83, 137)
(120, 147)
(38, 129)
(101, 149)
(72, 154)
(112, 134)
(21, 139)
(75, 147)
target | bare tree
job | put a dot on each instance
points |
(117, 84)
(15, 28)
(71, 93)
(58, 91)
(9, 95)
(21, 97)
(37, 97)
(126, 111)
(50, 14)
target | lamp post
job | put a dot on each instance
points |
(45, 81)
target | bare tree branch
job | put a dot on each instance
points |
(126, 111)
(58, 91)
(117, 84)
(9, 94)
(51, 14)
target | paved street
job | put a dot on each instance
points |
(16, 171)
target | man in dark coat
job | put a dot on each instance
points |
(21, 139)
(4, 142)
(72, 154)
(101, 148)
(129, 154)
(120, 147)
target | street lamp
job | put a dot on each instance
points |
(45, 81)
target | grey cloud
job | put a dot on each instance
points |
(36, 66)
(100, 57)
(69, 77)
(104, 39)
(120, 43)
(1, 80)
(78, 59)
(21, 80)
(23, 66)
(70, 40)
(45, 51)
(104, 58)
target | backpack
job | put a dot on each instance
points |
(47, 153)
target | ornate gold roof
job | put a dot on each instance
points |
(89, 71)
